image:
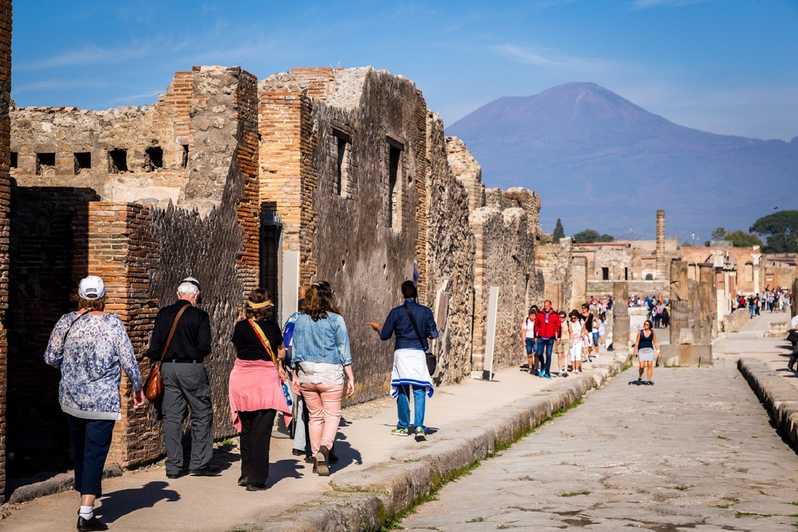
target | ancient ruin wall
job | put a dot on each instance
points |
(555, 264)
(505, 259)
(68, 146)
(5, 98)
(450, 257)
(359, 243)
(467, 170)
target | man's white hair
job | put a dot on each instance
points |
(187, 289)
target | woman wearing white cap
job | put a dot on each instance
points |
(90, 347)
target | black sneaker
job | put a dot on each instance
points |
(421, 434)
(242, 481)
(256, 487)
(88, 525)
(206, 472)
(322, 462)
(175, 475)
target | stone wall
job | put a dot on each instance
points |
(554, 263)
(450, 256)
(49, 250)
(327, 170)
(467, 170)
(5, 98)
(504, 259)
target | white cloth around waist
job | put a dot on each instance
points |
(410, 368)
(321, 373)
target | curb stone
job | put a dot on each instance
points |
(369, 498)
(780, 398)
(58, 483)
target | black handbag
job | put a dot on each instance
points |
(432, 362)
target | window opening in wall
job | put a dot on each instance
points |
(117, 161)
(45, 163)
(394, 184)
(184, 160)
(153, 158)
(626, 274)
(605, 274)
(649, 277)
(13, 161)
(343, 162)
(82, 161)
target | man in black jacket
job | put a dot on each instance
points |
(185, 380)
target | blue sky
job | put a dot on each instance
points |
(728, 66)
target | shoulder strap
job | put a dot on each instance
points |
(63, 342)
(263, 340)
(415, 327)
(172, 331)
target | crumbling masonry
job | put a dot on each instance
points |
(315, 173)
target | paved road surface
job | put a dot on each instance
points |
(694, 452)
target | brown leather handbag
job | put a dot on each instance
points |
(153, 388)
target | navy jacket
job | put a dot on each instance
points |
(398, 323)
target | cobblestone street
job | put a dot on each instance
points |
(693, 452)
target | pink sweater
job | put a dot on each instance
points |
(255, 385)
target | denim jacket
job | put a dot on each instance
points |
(323, 341)
(398, 323)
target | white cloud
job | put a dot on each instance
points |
(93, 54)
(545, 57)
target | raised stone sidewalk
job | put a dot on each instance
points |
(379, 475)
(779, 397)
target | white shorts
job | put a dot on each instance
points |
(576, 351)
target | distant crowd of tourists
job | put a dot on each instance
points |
(580, 336)
(302, 370)
(771, 300)
(576, 337)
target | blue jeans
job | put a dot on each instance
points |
(531, 347)
(545, 347)
(403, 405)
(91, 439)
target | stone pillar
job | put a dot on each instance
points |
(662, 266)
(620, 316)
(680, 308)
(5, 197)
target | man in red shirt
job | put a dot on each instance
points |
(547, 330)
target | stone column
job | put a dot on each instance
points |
(662, 266)
(620, 316)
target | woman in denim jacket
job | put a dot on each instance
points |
(321, 353)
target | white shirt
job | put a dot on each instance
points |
(529, 325)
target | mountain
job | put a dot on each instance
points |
(602, 162)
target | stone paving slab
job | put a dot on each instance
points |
(693, 452)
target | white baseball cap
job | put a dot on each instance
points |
(91, 288)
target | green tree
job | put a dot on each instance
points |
(719, 233)
(741, 239)
(588, 236)
(559, 232)
(781, 231)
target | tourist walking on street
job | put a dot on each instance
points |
(185, 380)
(529, 340)
(256, 387)
(547, 331)
(413, 325)
(90, 347)
(562, 345)
(646, 349)
(576, 336)
(587, 321)
(322, 357)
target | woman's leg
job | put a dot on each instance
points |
(650, 371)
(77, 437)
(316, 413)
(244, 445)
(260, 436)
(331, 396)
(641, 368)
(403, 407)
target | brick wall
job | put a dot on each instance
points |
(5, 97)
(48, 237)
